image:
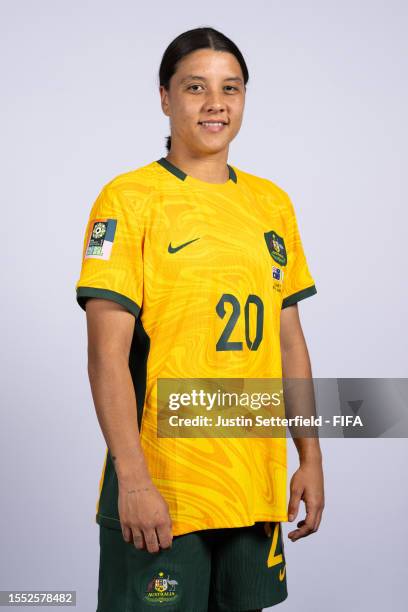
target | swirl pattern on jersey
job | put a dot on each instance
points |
(200, 267)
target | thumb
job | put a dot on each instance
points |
(293, 507)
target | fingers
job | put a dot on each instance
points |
(304, 530)
(138, 539)
(127, 533)
(165, 536)
(152, 542)
(319, 518)
(152, 539)
(310, 524)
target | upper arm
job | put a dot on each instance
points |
(291, 332)
(110, 330)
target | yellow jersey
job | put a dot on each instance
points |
(205, 269)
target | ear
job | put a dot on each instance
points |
(164, 99)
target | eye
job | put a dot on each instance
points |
(231, 87)
(194, 85)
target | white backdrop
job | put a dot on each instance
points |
(325, 119)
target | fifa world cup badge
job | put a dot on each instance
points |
(100, 239)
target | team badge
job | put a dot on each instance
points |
(162, 588)
(100, 239)
(277, 273)
(276, 247)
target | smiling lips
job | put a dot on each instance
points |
(213, 126)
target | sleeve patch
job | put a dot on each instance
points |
(100, 239)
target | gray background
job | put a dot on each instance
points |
(324, 119)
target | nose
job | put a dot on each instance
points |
(215, 103)
(216, 109)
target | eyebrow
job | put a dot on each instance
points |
(201, 78)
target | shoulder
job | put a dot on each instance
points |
(138, 183)
(263, 187)
(133, 187)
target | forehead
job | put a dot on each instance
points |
(208, 64)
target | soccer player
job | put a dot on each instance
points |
(193, 268)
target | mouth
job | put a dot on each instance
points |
(213, 126)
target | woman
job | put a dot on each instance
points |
(192, 269)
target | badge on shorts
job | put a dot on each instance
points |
(100, 239)
(276, 247)
(162, 588)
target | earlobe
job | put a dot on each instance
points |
(165, 107)
(164, 100)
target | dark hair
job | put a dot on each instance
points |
(192, 40)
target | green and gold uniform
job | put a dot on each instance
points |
(205, 269)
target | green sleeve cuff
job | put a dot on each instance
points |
(83, 293)
(299, 295)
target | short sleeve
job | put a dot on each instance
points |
(298, 282)
(112, 254)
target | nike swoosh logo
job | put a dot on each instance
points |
(282, 573)
(172, 249)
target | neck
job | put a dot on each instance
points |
(210, 168)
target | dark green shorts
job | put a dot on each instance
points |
(214, 570)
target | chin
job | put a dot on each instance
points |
(214, 147)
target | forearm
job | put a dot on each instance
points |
(296, 364)
(115, 404)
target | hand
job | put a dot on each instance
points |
(307, 484)
(144, 516)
